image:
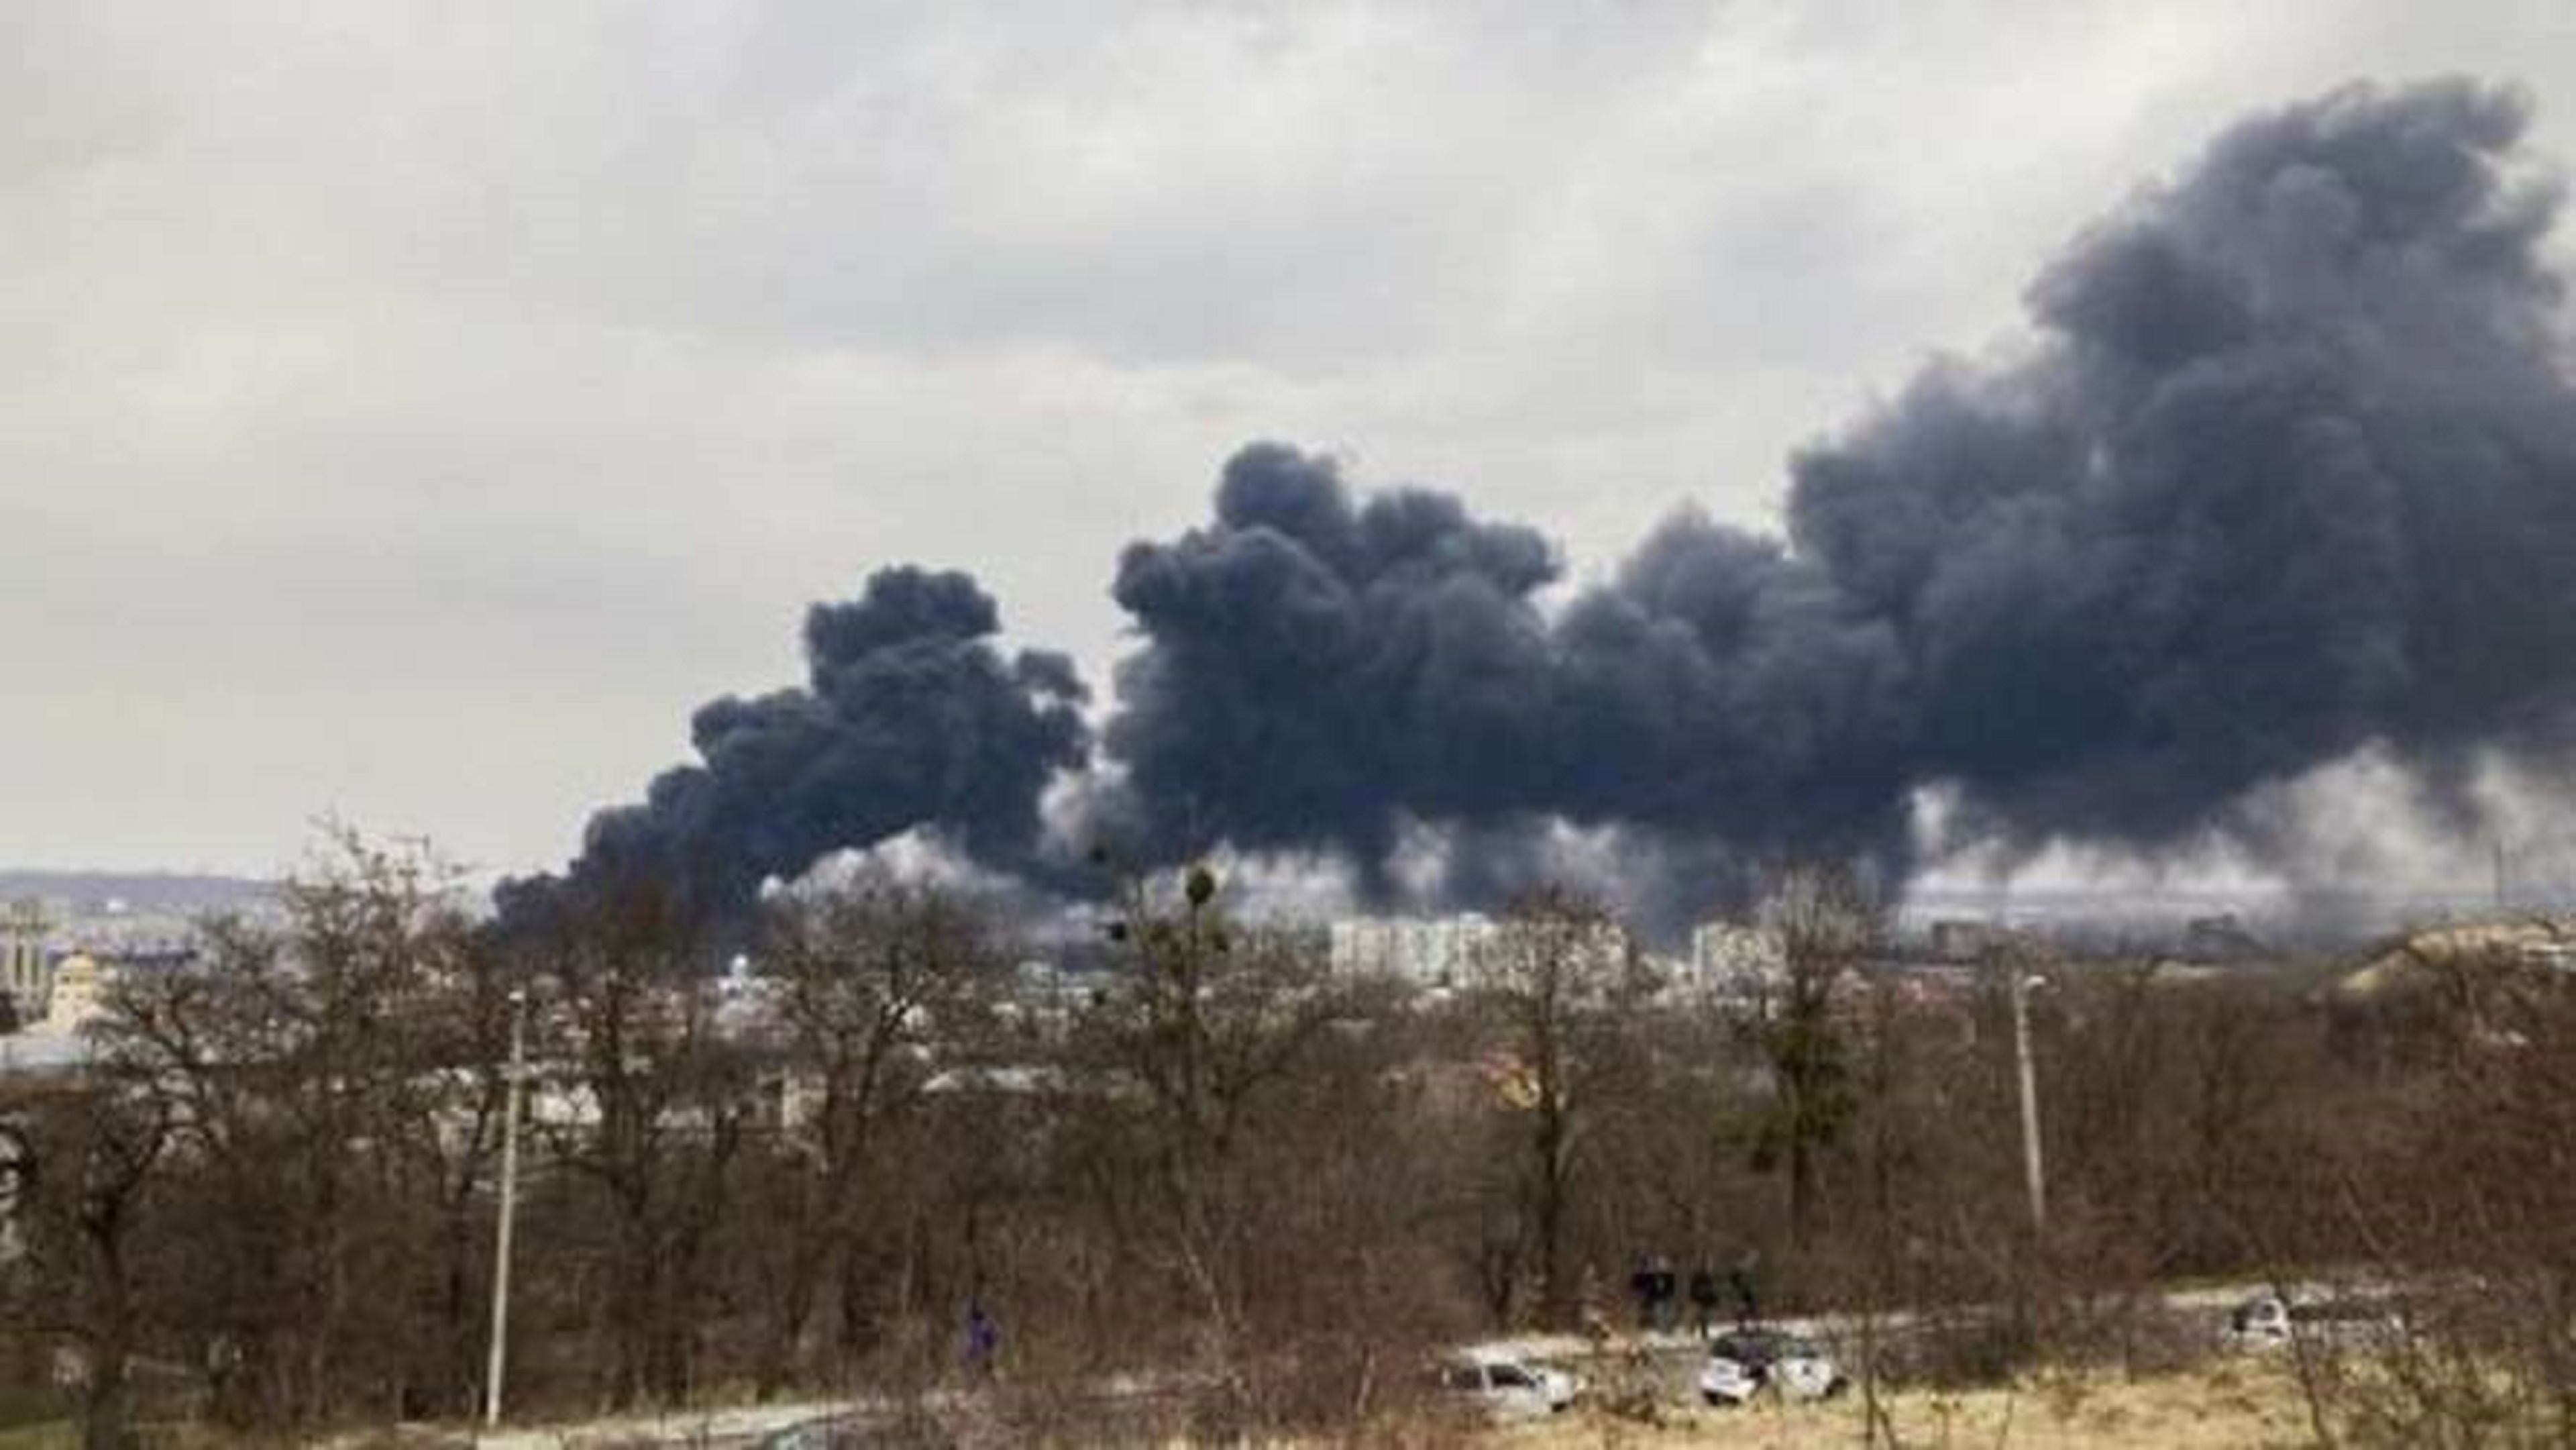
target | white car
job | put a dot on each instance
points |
(1507, 1387)
(1743, 1363)
(830, 1432)
(2268, 1321)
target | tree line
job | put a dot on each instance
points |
(1263, 1193)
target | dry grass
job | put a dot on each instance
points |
(2234, 1406)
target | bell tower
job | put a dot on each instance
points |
(26, 973)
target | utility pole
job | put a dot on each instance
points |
(2021, 985)
(509, 1208)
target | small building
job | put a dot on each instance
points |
(1438, 952)
(26, 966)
(80, 990)
(1741, 964)
(1954, 939)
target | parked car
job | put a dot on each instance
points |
(2269, 1321)
(826, 1432)
(1507, 1387)
(1743, 1363)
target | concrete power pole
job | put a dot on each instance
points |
(509, 1209)
(2038, 1183)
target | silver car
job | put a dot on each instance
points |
(1507, 1387)
(1745, 1362)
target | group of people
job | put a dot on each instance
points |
(1657, 1291)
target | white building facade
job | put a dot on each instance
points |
(1433, 952)
(1737, 963)
(1448, 951)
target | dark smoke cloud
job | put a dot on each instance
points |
(2285, 479)
(911, 717)
(1313, 668)
(2285, 474)
(1319, 671)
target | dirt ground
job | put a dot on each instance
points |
(2238, 1406)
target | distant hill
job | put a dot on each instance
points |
(152, 891)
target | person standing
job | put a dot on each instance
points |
(1703, 1297)
(983, 1340)
(1665, 1293)
(1593, 1319)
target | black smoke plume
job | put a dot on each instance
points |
(1320, 672)
(2286, 470)
(2288, 476)
(910, 717)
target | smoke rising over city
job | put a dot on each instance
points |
(2281, 476)
(910, 717)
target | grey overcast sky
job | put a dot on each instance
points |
(410, 411)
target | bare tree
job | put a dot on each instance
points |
(1207, 1022)
(878, 985)
(1830, 921)
(77, 1161)
(309, 1094)
(664, 1102)
(1556, 978)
